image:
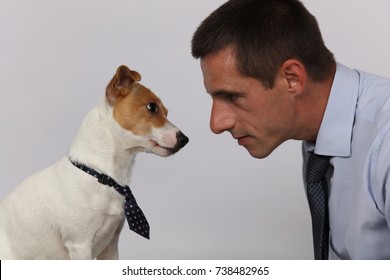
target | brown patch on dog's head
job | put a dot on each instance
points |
(135, 107)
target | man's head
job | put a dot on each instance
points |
(264, 34)
(259, 60)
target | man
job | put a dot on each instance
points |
(271, 78)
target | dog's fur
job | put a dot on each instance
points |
(62, 212)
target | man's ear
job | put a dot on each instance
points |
(295, 75)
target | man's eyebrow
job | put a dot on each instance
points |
(224, 92)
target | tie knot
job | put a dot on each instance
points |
(317, 166)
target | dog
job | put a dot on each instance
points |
(62, 212)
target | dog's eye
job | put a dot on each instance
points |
(152, 107)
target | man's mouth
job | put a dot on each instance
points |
(242, 140)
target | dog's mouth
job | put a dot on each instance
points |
(155, 144)
(162, 150)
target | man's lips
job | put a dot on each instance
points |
(242, 140)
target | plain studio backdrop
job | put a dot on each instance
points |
(211, 200)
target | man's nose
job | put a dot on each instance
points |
(221, 118)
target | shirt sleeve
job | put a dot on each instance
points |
(381, 184)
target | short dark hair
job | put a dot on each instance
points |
(263, 35)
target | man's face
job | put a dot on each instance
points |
(260, 119)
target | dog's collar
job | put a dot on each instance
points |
(134, 215)
(102, 178)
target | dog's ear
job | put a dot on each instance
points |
(125, 77)
(120, 84)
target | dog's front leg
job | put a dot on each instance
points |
(79, 251)
(111, 252)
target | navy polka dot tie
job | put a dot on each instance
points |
(134, 215)
(317, 195)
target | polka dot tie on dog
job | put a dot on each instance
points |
(134, 215)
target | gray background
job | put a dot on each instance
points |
(210, 201)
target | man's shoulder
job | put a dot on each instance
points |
(373, 98)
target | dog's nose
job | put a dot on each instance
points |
(182, 140)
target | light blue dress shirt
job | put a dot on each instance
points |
(355, 132)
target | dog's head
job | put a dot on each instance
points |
(140, 116)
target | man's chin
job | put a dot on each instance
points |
(258, 153)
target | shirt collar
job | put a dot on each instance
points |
(335, 134)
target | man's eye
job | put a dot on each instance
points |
(231, 97)
(152, 107)
(226, 96)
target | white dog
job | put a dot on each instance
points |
(62, 212)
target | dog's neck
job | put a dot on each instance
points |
(96, 147)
